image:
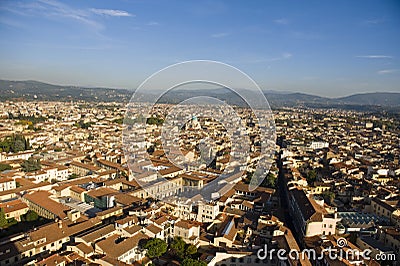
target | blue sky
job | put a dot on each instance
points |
(329, 48)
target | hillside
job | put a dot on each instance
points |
(34, 90)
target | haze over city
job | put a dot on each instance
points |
(324, 48)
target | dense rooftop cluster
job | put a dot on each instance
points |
(69, 195)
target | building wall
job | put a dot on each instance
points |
(17, 214)
(40, 210)
(8, 185)
(186, 234)
(207, 212)
(378, 209)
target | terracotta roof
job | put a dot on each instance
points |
(247, 204)
(308, 207)
(115, 249)
(133, 229)
(228, 229)
(245, 188)
(98, 234)
(77, 189)
(60, 187)
(81, 181)
(126, 199)
(89, 167)
(102, 191)
(110, 164)
(127, 219)
(84, 248)
(170, 170)
(42, 199)
(13, 205)
(50, 233)
(5, 179)
(108, 211)
(185, 224)
(107, 172)
(161, 220)
(53, 260)
(154, 229)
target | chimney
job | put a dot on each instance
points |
(59, 223)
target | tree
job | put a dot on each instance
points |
(269, 181)
(3, 220)
(31, 165)
(193, 262)
(178, 247)
(73, 176)
(14, 143)
(155, 248)
(31, 216)
(328, 196)
(155, 121)
(311, 176)
(4, 167)
(190, 250)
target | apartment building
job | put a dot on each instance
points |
(310, 217)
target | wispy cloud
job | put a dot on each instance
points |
(281, 21)
(57, 10)
(286, 55)
(373, 21)
(220, 35)
(375, 56)
(11, 23)
(258, 60)
(111, 12)
(387, 71)
(153, 23)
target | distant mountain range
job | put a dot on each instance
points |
(34, 90)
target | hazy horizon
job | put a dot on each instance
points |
(329, 49)
(194, 88)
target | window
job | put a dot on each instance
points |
(233, 259)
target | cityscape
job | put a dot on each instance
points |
(220, 162)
